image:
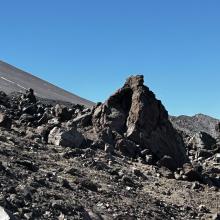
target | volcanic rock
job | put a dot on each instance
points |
(217, 127)
(3, 214)
(62, 113)
(192, 173)
(127, 147)
(202, 140)
(4, 100)
(135, 113)
(168, 162)
(30, 96)
(5, 121)
(70, 138)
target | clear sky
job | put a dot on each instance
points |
(89, 47)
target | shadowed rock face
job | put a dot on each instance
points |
(135, 113)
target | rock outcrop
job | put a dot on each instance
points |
(5, 121)
(136, 115)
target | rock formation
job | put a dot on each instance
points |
(136, 115)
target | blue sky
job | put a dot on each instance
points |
(89, 47)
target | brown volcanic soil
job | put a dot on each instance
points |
(39, 181)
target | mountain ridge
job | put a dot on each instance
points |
(13, 79)
(196, 123)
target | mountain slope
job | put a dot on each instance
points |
(120, 161)
(196, 123)
(13, 79)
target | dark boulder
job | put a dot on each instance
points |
(30, 109)
(5, 121)
(135, 113)
(167, 162)
(193, 173)
(62, 113)
(127, 147)
(4, 100)
(30, 97)
(217, 127)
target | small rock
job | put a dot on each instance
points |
(177, 176)
(196, 185)
(127, 147)
(216, 216)
(128, 181)
(30, 109)
(137, 172)
(109, 148)
(3, 214)
(5, 121)
(89, 185)
(4, 100)
(94, 216)
(30, 97)
(62, 113)
(203, 209)
(168, 162)
(66, 184)
(71, 153)
(61, 137)
(28, 164)
(149, 159)
(165, 172)
(191, 172)
(61, 217)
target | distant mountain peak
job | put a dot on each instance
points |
(196, 123)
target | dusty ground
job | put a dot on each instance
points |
(41, 181)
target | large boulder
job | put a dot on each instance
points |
(66, 138)
(201, 140)
(135, 113)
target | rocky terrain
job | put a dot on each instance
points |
(121, 159)
(195, 124)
